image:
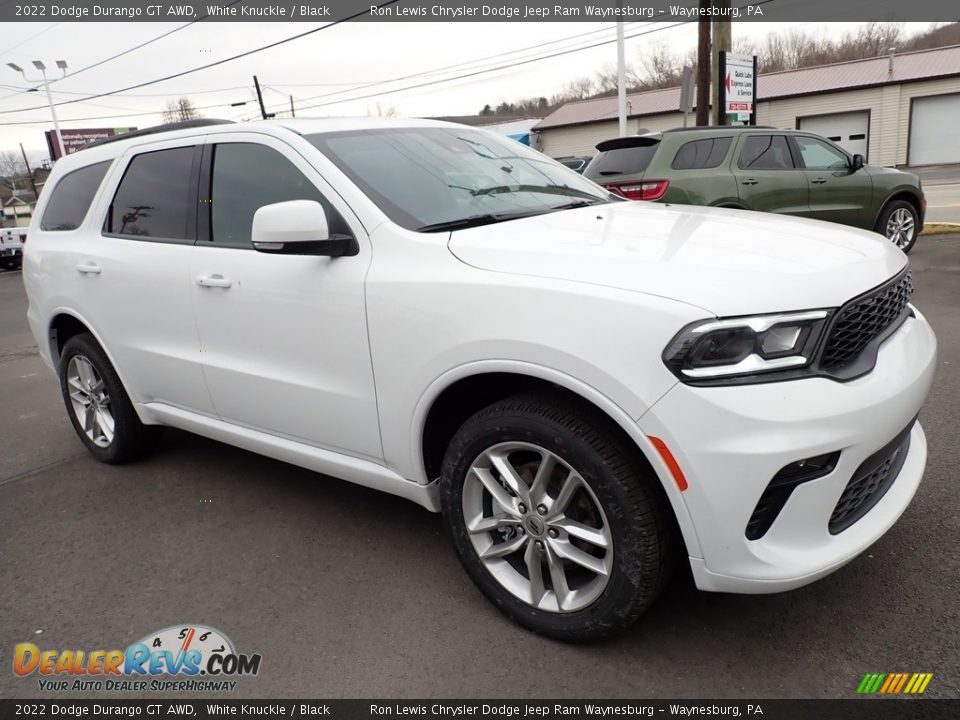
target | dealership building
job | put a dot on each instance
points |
(902, 109)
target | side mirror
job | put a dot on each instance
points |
(857, 162)
(298, 227)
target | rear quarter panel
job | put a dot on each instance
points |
(715, 187)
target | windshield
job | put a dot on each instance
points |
(437, 178)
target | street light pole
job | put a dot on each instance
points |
(46, 86)
(53, 111)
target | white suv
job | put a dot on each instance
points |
(588, 388)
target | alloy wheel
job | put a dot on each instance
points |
(537, 527)
(90, 401)
(901, 227)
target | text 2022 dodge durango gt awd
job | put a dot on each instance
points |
(588, 388)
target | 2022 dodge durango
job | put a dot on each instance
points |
(589, 389)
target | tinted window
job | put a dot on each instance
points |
(818, 155)
(622, 161)
(698, 154)
(154, 197)
(246, 177)
(766, 152)
(72, 197)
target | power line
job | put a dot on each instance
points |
(212, 64)
(425, 84)
(445, 68)
(421, 74)
(495, 69)
(35, 35)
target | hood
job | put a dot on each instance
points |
(728, 262)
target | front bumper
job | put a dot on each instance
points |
(731, 441)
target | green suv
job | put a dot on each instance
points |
(755, 168)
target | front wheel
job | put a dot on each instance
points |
(900, 224)
(554, 518)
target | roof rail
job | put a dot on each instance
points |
(168, 127)
(720, 127)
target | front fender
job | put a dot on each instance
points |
(610, 408)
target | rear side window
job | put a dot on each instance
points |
(628, 160)
(697, 154)
(155, 197)
(247, 176)
(72, 197)
(766, 152)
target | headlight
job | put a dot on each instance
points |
(733, 350)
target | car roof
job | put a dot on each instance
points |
(110, 148)
(687, 133)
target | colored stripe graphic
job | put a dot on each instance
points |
(894, 683)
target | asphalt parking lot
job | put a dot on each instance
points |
(349, 593)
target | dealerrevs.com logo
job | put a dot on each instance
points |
(178, 658)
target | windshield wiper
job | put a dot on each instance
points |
(573, 205)
(478, 220)
(545, 189)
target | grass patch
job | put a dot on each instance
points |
(940, 228)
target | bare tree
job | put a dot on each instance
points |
(381, 110)
(873, 39)
(12, 169)
(180, 110)
(606, 79)
(660, 67)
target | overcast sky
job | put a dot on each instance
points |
(325, 67)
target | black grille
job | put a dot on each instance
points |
(870, 482)
(863, 319)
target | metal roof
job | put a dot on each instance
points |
(908, 67)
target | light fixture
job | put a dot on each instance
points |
(38, 64)
(15, 67)
(62, 64)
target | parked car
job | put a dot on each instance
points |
(11, 247)
(577, 164)
(590, 390)
(781, 171)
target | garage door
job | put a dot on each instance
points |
(848, 130)
(935, 130)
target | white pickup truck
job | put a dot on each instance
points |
(11, 247)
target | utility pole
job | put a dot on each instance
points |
(721, 43)
(29, 171)
(293, 113)
(621, 82)
(703, 68)
(263, 111)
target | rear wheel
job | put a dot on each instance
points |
(99, 408)
(9, 263)
(554, 518)
(900, 224)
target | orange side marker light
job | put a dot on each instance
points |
(671, 461)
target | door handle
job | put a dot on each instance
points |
(750, 181)
(818, 181)
(90, 268)
(216, 280)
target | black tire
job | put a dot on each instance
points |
(131, 438)
(644, 533)
(9, 264)
(884, 220)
